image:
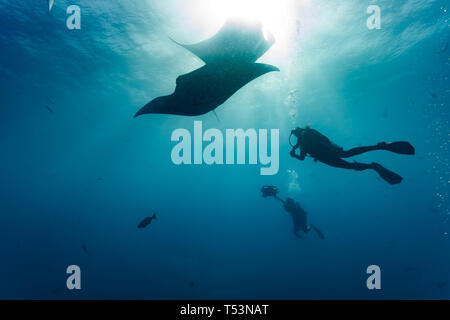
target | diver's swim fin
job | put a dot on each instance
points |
(401, 147)
(319, 233)
(387, 175)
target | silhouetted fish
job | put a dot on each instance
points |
(191, 284)
(85, 250)
(50, 109)
(146, 221)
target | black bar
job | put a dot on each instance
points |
(223, 309)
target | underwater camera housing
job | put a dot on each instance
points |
(269, 191)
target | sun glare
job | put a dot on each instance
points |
(273, 14)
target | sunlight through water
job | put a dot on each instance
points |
(279, 17)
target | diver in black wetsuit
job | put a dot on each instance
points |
(311, 142)
(297, 213)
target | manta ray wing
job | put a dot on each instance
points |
(237, 40)
(206, 88)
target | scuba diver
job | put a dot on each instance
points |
(297, 213)
(311, 142)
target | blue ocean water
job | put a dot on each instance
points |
(77, 168)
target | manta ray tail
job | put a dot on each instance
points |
(217, 117)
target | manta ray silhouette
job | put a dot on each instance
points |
(229, 58)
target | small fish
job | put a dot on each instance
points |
(85, 250)
(434, 95)
(50, 109)
(191, 284)
(442, 284)
(445, 47)
(146, 221)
